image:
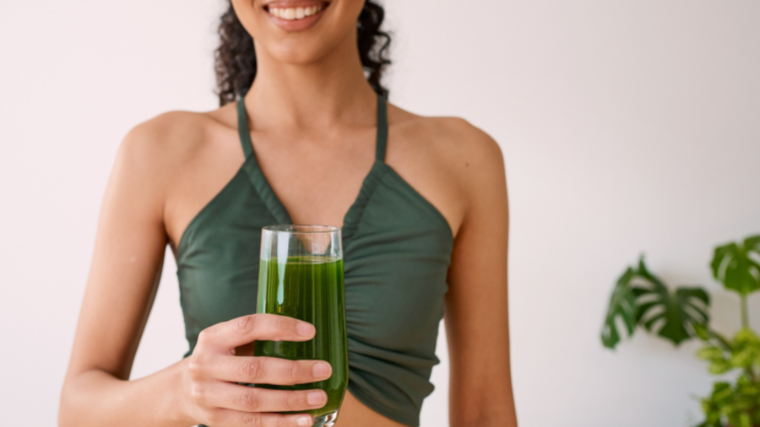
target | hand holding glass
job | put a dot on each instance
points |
(301, 276)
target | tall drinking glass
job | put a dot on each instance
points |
(301, 276)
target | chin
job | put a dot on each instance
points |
(298, 52)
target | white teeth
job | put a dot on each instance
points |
(292, 13)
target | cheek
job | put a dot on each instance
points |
(350, 10)
(251, 15)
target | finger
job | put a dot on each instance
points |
(268, 370)
(243, 330)
(250, 399)
(230, 418)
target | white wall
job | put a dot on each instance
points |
(627, 127)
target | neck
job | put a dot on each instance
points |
(318, 94)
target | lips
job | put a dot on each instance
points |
(295, 15)
(294, 12)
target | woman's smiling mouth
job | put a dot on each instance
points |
(295, 15)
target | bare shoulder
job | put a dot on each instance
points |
(168, 138)
(159, 148)
(466, 153)
(452, 139)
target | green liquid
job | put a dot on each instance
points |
(309, 288)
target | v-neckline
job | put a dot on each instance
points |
(268, 195)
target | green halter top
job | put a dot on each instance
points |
(397, 249)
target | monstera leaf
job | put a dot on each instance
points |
(737, 267)
(672, 314)
(640, 298)
(623, 305)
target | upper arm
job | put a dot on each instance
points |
(476, 305)
(128, 256)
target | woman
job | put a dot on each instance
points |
(422, 202)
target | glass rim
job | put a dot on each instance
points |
(301, 229)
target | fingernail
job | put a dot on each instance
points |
(305, 329)
(304, 420)
(315, 398)
(322, 370)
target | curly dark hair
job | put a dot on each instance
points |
(235, 58)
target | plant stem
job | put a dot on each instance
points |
(751, 374)
(745, 314)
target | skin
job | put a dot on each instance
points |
(310, 110)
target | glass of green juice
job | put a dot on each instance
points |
(301, 276)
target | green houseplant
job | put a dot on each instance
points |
(641, 299)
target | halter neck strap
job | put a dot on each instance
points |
(382, 129)
(245, 133)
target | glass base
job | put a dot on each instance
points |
(327, 420)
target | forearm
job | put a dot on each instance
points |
(484, 420)
(97, 398)
(483, 407)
